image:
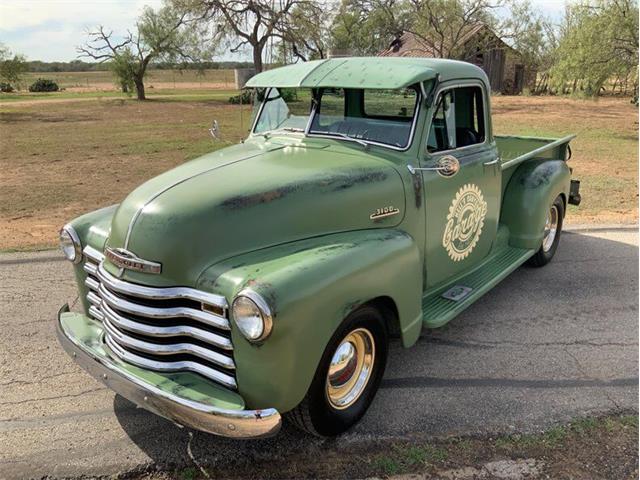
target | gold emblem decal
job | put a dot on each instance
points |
(464, 222)
(384, 212)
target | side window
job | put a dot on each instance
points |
(332, 107)
(469, 116)
(458, 120)
(442, 132)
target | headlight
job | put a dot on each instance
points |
(70, 244)
(252, 315)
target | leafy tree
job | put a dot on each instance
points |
(442, 26)
(598, 42)
(165, 34)
(533, 36)
(306, 36)
(365, 27)
(12, 66)
(253, 23)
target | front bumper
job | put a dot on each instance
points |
(81, 337)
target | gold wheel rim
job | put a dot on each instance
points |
(350, 368)
(550, 228)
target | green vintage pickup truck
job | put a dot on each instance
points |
(370, 200)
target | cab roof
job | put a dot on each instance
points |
(365, 72)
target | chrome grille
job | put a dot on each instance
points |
(163, 329)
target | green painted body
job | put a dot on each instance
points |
(288, 215)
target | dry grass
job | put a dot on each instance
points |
(60, 159)
(103, 81)
(605, 153)
(586, 449)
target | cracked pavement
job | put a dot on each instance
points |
(545, 346)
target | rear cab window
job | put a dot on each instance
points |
(378, 116)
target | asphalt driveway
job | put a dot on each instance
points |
(543, 347)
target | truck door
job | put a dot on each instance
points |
(461, 177)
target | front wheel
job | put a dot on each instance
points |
(551, 237)
(347, 377)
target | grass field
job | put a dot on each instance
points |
(102, 81)
(71, 152)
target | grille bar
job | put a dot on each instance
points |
(174, 349)
(140, 361)
(96, 313)
(170, 293)
(167, 331)
(152, 312)
(161, 329)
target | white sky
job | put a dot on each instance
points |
(49, 30)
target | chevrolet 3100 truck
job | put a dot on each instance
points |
(370, 200)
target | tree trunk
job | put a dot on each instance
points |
(139, 82)
(257, 57)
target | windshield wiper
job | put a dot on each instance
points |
(352, 139)
(285, 129)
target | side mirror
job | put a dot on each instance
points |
(215, 130)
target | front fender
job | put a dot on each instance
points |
(311, 286)
(92, 229)
(528, 196)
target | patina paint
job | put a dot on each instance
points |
(282, 195)
(311, 286)
(289, 216)
(532, 188)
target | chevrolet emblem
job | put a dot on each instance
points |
(126, 260)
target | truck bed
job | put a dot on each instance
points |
(514, 150)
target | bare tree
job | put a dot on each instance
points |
(252, 23)
(163, 34)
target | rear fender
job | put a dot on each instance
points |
(530, 192)
(311, 286)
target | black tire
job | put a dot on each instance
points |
(544, 256)
(315, 414)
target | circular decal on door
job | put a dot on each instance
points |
(464, 222)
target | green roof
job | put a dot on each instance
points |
(365, 72)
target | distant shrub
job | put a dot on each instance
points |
(287, 94)
(6, 87)
(44, 85)
(246, 97)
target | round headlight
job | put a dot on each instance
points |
(70, 244)
(252, 316)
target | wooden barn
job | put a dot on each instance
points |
(478, 45)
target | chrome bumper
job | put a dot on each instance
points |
(184, 411)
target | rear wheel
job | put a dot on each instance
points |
(347, 377)
(551, 237)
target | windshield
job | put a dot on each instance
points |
(284, 109)
(383, 117)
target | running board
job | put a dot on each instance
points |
(445, 303)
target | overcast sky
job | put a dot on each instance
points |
(49, 30)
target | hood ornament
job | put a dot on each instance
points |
(126, 260)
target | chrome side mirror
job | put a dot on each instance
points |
(215, 130)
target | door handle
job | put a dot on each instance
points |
(491, 162)
(413, 169)
(447, 166)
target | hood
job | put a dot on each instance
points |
(247, 197)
